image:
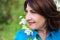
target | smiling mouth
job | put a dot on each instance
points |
(31, 23)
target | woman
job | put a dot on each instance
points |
(43, 18)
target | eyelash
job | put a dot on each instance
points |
(33, 12)
(30, 11)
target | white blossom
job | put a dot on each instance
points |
(23, 21)
(28, 31)
(35, 38)
(24, 27)
(20, 16)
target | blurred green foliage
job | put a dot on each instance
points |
(10, 10)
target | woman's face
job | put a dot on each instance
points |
(35, 20)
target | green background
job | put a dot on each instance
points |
(9, 18)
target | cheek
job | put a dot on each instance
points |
(40, 20)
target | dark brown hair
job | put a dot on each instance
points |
(48, 9)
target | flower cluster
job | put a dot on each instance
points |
(57, 2)
(23, 22)
(28, 31)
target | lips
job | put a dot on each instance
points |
(31, 23)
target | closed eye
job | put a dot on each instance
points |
(32, 11)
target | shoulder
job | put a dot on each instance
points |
(20, 35)
(20, 32)
(56, 35)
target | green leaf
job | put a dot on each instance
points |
(29, 38)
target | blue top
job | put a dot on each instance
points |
(21, 35)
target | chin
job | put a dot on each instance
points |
(33, 28)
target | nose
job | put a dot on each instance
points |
(28, 17)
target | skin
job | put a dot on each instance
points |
(36, 21)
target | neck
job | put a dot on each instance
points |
(43, 34)
(43, 31)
